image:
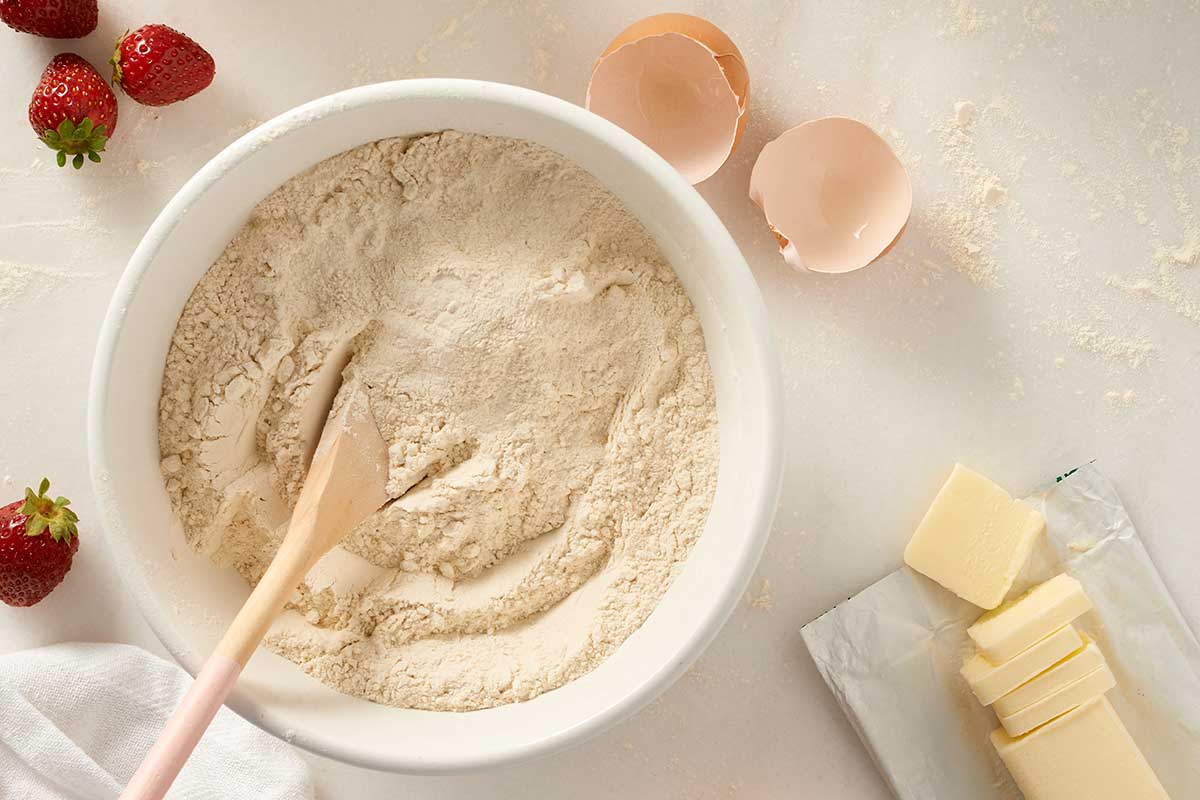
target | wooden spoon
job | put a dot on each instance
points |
(345, 485)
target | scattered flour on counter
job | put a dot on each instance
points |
(1170, 271)
(22, 280)
(1127, 350)
(540, 63)
(237, 131)
(1121, 400)
(964, 225)
(540, 377)
(1040, 19)
(1151, 165)
(963, 19)
(1164, 287)
(762, 600)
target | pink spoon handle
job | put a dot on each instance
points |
(197, 709)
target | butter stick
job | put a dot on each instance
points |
(1085, 754)
(1003, 633)
(1079, 664)
(974, 538)
(1089, 687)
(991, 681)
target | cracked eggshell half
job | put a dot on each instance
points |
(834, 194)
(679, 84)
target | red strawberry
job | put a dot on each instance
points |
(157, 65)
(73, 110)
(38, 540)
(58, 19)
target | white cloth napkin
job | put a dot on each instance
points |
(76, 719)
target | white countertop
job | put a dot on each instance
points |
(1054, 324)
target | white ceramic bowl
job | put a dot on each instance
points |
(187, 600)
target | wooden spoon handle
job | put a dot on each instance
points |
(271, 593)
(201, 703)
(346, 483)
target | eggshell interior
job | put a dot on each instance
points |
(679, 84)
(834, 193)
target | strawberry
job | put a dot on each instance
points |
(38, 540)
(157, 65)
(57, 19)
(73, 110)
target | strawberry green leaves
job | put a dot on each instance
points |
(80, 141)
(49, 514)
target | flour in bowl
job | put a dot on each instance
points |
(537, 371)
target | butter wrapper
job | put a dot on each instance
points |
(891, 656)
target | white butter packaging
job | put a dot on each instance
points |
(892, 655)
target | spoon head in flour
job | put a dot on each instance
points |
(347, 481)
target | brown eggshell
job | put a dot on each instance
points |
(834, 193)
(679, 84)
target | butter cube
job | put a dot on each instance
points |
(1006, 631)
(1077, 665)
(974, 539)
(991, 681)
(1089, 687)
(1086, 753)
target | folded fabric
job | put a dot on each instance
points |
(76, 719)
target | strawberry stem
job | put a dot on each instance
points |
(45, 513)
(117, 73)
(83, 140)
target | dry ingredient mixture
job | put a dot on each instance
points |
(540, 377)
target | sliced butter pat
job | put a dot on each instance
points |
(1077, 665)
(1086, 753)
(1089, 687)
(1005, 632)
(974, 539)
(991, 681)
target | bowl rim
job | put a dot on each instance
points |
(758, 514)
